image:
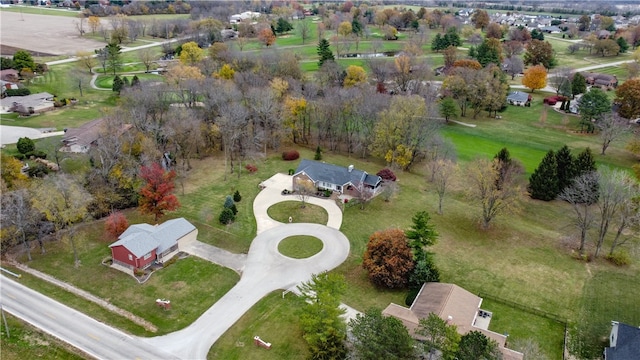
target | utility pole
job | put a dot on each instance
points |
(5, 321)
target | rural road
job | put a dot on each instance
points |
(89, 335)
(264, 270)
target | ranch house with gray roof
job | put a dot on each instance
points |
(344, 180)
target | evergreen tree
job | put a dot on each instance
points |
(318, 155)
(283, 26)
(236, 196)
(135, 81)
(118, 84)
(578, 84)
(486, 54)
(585, 162)
(623, 44)
(565, 167)
(543, 183)
(437, 43)
(452, 38)
(325, 52)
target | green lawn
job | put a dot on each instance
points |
(106, 81)
(308, 214)
(300, 246)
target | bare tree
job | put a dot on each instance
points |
(265, 108)
(560, 77)
(18, 214)
(86, 59)
(614, 187)
(304, 30)
(483, 177)
(146, 57)
(438, 149)
(303, 189)
(628, 218)
(513, 66)
(612, 127)
(581, 195)
(445, 173)
(80, 23)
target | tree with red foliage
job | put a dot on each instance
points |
(388, 258)
(156, 196)
(116, 224)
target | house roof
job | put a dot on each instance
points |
(518, 96)
(140, 239)
(451, 303)
(627, 344)
(335, 174)
(85, 134)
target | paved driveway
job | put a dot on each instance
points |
(11, 134)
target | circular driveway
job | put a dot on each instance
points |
(266, 270)
(11, 134)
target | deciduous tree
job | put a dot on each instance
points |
(380, 337)
(22, 59)
(304, 30)
(628, 96)
(439, 336)
(443, 177)
(11, 171)
(539, 52)
(535, 77)
(592, 106)
(355, 76)
(191, 53)
(483, 176)
(581, 194)
(115, 224)
(611, 127)
(156, 196)
(475, 345)
(63, 201)
(388, 259)
(614, 188)
(480, 18)
(18, 215)
(321, 320)
(266, 37)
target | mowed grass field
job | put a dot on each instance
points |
(525, 258)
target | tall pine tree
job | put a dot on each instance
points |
(324, 51)
(566, 167)
(543, 183)
(585, 162)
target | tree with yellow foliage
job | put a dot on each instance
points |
(403, 131)
(94, 23)
(226, 72)
(10, 169)
(535, 77)
(355, 76)
(191, 53)
(295, 117)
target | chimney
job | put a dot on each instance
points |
(350, 168)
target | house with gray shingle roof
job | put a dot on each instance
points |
(519, 98)
(344, 180)
(142, 244)
(624, 342)
(28, 104)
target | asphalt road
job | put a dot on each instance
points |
(79, 330)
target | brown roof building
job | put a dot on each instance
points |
(455, 305)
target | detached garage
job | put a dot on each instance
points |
(142, 244)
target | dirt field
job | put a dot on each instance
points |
(45, 34)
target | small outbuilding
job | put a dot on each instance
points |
(141, 245)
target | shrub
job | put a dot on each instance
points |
(226, 216)
(228, 202)
(116, 224)
(38, 170)
(327, 193)
(620, 258)
(18, 92)
(251, 168)
(292, 171)
(318, 155)
(170, 262)
(36, 154)
(25, 145)
(387, 175)
(138, 272)
(290, 155)
(19, 156)
(236, 196)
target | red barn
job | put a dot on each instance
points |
(142, 244)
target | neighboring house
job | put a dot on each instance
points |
(247, 15)
(29, 104)
(602, 80)
(519, 98)
(142, 244)
(551, 29)
(80, 140)
(456, 306)
(624, 342)
(344, 180)
(10, 75)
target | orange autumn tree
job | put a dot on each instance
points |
(388, 259)
(156, 196)
(116, 224)
(535, 77)
(266, 37)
